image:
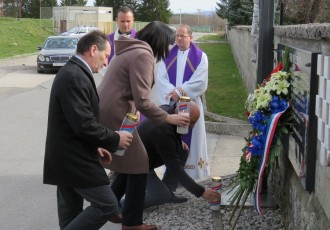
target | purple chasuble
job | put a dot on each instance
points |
(112, 44)
(193, 60)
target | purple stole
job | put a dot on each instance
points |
(112, 44)
(193, 60)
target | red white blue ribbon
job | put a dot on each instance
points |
(271, 128)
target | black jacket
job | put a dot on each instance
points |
(163, 145)
(74, 132)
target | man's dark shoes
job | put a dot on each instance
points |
(116, 219)
(176, 199)
(140, 227)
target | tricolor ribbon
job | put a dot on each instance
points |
(271, 128)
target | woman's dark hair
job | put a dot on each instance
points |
(158, 36)
(96, 37)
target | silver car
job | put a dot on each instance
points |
(79, 31)
(55, 52)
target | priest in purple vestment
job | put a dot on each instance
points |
(185, 73)
(125, 20)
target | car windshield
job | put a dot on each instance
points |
(73, 30)
(83, 30)
(61, 43)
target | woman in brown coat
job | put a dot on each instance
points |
(126, 88)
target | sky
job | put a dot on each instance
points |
(189, 6)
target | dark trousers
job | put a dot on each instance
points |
(133, 186)
(157, 192)
(72, 216)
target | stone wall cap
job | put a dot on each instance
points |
(312, 31)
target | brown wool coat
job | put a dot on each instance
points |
(125, 88)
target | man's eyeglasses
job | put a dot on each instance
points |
(181, 36)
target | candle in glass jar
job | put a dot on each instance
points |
(183, 108)
(128, 125)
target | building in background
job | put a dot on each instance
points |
(67, 17)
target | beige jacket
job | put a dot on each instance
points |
(126, 88)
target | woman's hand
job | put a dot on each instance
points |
(178, 119)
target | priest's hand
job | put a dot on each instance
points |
(104, 156)
(125, 139)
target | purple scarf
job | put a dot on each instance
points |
(193, 60)
(111, 39)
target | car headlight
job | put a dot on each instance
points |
(41, 58)
(47, 59)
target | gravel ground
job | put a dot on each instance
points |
(196, 215)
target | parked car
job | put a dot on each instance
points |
(55, 52)
(79, 31)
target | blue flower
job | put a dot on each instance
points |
(258, 145)
(277, 104)
(259, 121)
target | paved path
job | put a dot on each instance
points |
(27, 203)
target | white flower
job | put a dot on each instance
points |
(271, 85)
(263, 100)
(280, 75)
(282, 87)
(250, 103)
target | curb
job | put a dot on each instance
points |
(226, 125)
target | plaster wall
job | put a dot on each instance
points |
(101, 17)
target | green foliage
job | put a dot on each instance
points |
(144, 10)
(247, 174)
(44, 3)
(30, 8)
(154, 10)
(286, 59)
(237, 12)
(22, 36)
(226, 93)
(212, 38)
(73, 2)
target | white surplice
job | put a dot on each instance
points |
(197, 165)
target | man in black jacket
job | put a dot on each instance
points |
(77, 145)
(164, 147)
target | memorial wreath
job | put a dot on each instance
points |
(268, 110)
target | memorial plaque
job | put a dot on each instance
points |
(303, 139)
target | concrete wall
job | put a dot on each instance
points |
(241, 45)
(303, 210)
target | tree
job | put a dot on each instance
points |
(31, 8)
(237, 12)
(154, 10)
(10, 7)
(73, 2)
